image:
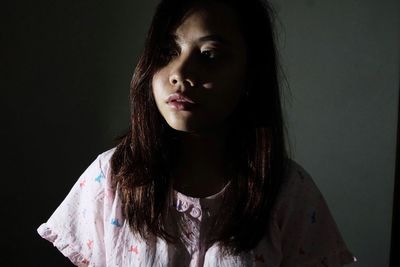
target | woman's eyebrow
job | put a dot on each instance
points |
(212, 37)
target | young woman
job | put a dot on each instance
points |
(202, 178)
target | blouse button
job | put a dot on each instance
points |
(195, 212)
(182, 206)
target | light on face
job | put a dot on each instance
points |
(205, 62)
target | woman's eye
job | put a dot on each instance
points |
(169, 52)
(172, 53)
(210, 54)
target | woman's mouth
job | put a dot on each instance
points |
(180, 102)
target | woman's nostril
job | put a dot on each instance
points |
(173, 80)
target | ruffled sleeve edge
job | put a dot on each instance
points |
(340, 258)
(68, 249)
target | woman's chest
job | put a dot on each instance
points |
(125, 249)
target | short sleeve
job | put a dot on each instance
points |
(308, 233)
(76, 227)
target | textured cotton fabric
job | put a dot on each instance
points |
(89, 229)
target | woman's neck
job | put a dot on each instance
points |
(200, 169)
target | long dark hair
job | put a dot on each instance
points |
(257, 154)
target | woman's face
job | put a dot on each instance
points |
(202, 81)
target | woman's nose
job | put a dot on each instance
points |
(183, 72)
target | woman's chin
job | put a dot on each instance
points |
(195, 127)
(184, 127)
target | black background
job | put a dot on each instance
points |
(65, 73)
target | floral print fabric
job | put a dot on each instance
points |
(89, 229)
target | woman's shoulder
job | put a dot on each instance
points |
(298, 191)
(99, 170)
(74, 227)
(304, 221)
(293, 169)
(101, 166)
(104, 158)
(297, 179)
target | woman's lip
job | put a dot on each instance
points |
(181, 105)
(177, 97)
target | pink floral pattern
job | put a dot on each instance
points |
(89, 229)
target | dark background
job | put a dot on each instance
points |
(64, 97)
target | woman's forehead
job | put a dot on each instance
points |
(215, 21)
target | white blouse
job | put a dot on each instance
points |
(89, 229)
